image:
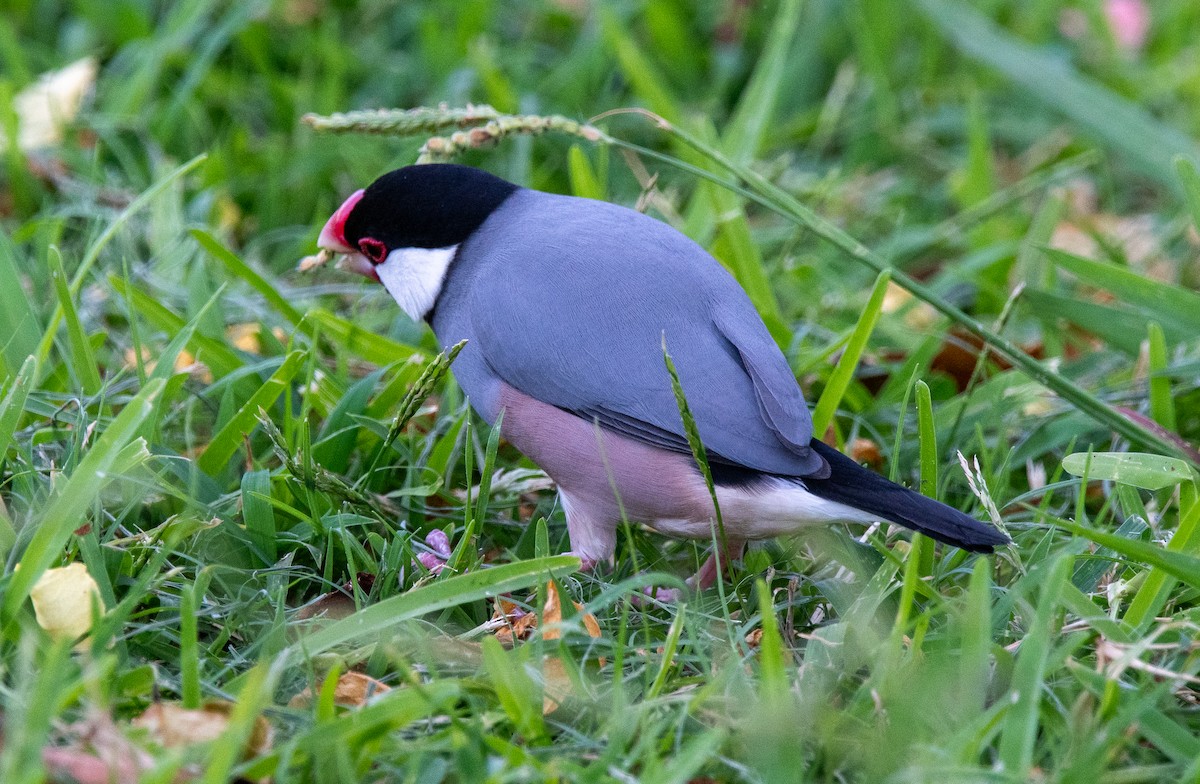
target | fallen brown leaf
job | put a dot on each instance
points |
(552, 614)
(864, 450)
(175, 726)
(519, 623)
(338, 604)
(353, 690)
(556, 684)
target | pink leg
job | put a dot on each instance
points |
(711, 571)
(708, 574)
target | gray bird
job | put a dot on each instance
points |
(565, 304)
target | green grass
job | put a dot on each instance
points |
(214, 484)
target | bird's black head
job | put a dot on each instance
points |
(428, 206)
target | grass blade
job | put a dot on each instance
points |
(645, 79)
(80, 354)
(258, 515)
(1155, 590)
(223, 445)
(69, 507)
(257, 687)
(93, 254)
(839, 380)
(1173, 304)
(975, 623)
(242, 270)
(1021, 723)
(1162, 406)
(437, 595)
(696, 445)
(516, 691)
(1119, 327)
(1149, 472)
(755, 111)
(364, 343)
(221, 359)
(770, 649)
(1177, 564)
(584, 181)
(13, 405)
(18, 321)
(1189, 179)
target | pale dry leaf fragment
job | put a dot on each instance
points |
(185, 362)
(45, 107)
(864, 450)
(131, 359)
(175, 726)
(519, 625)
(339, 603)
(556, 684)
(62, 601)
(244, 337)
(919, 315)
(552, 613)
(332, 606)
(353, 690)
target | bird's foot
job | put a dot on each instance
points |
(664, 595)
(706, 577)
(586, 564)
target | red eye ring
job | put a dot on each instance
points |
(373, 249)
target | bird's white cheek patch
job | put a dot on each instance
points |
(414, 277)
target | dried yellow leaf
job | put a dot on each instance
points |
(62, 601)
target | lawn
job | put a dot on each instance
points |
(972, 228)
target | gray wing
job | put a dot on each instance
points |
(578, 320)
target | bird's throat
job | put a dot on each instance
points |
(414, 277)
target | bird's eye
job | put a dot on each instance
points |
(373, 249)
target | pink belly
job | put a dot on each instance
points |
(594, 466)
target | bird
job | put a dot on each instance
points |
(566, 304)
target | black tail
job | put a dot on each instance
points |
(852, 485)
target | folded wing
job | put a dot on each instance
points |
(611, 285)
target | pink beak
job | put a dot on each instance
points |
(333, 238)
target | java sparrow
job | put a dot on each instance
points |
(565, 303)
